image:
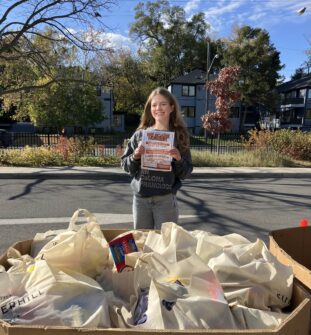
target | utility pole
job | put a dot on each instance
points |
(208, 61)
(206, 81)
(209, 65)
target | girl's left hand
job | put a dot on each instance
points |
(174, 152)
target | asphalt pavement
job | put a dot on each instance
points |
(198, 172)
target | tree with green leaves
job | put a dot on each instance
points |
(251, 50)
(130, 82)
(299, 73)
(63, 104)
(69, 101)
(19, 73)
(305, 67)
(170, 45)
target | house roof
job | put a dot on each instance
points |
(295, 84)
(194, 77)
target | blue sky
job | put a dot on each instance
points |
(289, 32)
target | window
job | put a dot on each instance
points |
(302, 93)
(291, 94)
(308, 114)
(188, 111)
(309, 93)
(234, 112)
(117, 121)
(98, 91)
(188, 90)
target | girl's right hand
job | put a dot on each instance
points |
(140, 150)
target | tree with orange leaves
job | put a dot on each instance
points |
(218, 122)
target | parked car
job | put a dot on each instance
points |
(5, 138)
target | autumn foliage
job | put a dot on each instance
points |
(222, 88)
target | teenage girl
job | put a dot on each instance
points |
(154, 199)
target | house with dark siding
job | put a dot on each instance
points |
(195, 100)
(295, 104)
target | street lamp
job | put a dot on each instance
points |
(207, 80)
(301, 10)
(209, 69)
(209, 65)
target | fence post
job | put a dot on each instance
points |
(218, 142)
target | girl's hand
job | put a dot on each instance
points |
(174, 152)
(140, 150)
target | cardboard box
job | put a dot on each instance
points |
(291, 246)
(295, 324)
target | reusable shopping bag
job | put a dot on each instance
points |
(250, 318)
(181, 295)
(173, 243)
(49, 296)
(41, 239)
(249, 274)
(81, 248)
(121, 284)
(211, 245)
(12, 281)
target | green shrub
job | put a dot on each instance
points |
(262, 149)
(99, 161)
(36, 157)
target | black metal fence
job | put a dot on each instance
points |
(109, 144)
(222, 143)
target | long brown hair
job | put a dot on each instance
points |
(176, 122)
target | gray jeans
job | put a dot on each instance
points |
(151, 212)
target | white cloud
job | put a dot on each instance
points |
(118, 41)
(222, 9)
(112, 40)
(191, 6)
(72, 31)
(223, 14)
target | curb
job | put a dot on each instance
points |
(99, 173)
(254, 175)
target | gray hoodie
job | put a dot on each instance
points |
(147, 183)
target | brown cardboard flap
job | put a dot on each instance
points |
(292, 247)
(296, 242)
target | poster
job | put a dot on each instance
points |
(157, 145)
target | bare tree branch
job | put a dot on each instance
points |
(10, 9)
(18, 36)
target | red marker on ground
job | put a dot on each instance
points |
(304, 223)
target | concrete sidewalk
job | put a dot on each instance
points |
(198, 172)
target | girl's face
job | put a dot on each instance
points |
(161, 109)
